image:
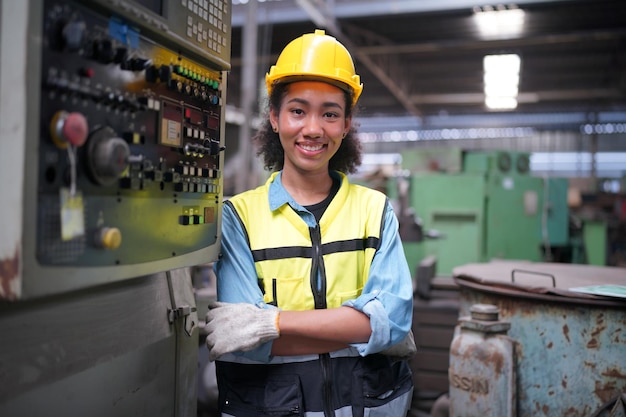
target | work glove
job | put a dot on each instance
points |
(238, 327)
(403, 350)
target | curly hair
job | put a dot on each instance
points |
(347, 158)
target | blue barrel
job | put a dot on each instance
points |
(568, 324)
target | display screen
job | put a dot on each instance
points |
(155, 6)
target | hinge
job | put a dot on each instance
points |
(184, 312)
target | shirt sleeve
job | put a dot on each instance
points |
(387, 298)
(237, 280)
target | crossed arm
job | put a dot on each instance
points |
(320, 331)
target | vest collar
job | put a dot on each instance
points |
(278, 195)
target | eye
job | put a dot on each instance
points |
(331, 115)
(297, 111)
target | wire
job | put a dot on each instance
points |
(71, 155)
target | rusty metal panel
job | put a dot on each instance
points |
(571, 352)
(13, 28)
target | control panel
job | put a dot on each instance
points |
(123, 170)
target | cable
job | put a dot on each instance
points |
(71, 155)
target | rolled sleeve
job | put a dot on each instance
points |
(387, 298)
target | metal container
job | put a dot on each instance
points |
(482, 366)
(570, 344)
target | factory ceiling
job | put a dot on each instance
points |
(424, 58)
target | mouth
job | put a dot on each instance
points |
(311, 147)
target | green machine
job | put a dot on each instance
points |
(482, 206)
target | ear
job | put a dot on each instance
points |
(348, 124)
(273, 119)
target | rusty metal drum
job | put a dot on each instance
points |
(482, 365)
(568, 326)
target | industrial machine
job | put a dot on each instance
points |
(112, 132)
(483, 205)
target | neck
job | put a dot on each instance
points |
(308, 188)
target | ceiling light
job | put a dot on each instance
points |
(501, 103)
(500, 22)
(501, 81)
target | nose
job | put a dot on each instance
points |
(313, 127)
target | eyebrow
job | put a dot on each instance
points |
(325, 104)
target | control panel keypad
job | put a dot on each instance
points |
(206, 23)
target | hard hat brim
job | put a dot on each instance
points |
(337, 83)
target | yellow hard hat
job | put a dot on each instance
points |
(316, 56)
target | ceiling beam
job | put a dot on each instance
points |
(284, 11)
(389, 76)
(523, 97)
(474, 44)
(388, 48)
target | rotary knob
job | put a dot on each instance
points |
(73, 33)
(107, 156)
(65, 28)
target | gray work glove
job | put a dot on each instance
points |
(238, 327)
(403, 350)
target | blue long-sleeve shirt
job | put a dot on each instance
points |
(387, 297)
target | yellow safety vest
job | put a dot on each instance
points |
(289, 256)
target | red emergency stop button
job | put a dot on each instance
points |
(69, 128)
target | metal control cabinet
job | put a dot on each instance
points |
(111, 155)
(126, 349)
(113, 131)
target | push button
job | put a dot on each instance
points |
(109, 238)
(68, 129)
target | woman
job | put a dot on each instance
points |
(315, 295)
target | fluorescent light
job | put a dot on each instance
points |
(500, 22)
(509, 63)
(501, 81)
(499, 90)
(501, 103)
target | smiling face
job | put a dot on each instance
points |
(311, 123)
